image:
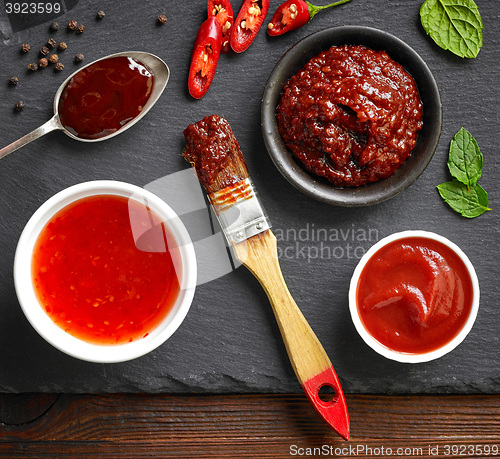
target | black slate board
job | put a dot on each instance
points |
(229, 341)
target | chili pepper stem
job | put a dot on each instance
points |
(314, 9)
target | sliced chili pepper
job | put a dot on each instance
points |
(223, 11)
(294, 14)
(205, 56)
(250, 17)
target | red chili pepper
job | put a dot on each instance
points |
(250, 17)
(205, 56)
(223, 11)
(294, 14)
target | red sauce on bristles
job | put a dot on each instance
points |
(215, 154)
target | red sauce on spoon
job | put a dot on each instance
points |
(105, 96)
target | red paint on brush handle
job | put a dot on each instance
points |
(334, 412)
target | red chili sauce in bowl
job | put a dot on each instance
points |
(103, 97)
(95, 281)
(414, 295)
(351, 115)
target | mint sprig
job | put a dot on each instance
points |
(454, 25)
(470, 202)
(465, 162)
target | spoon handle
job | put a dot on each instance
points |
(49, 126)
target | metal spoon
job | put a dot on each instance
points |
(161, 74)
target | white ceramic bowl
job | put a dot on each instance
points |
(400, 356)
(53, 333)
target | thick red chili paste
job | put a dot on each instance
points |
(351, 115)
(414, 295)
(214, 152)
(105, 96)
(94, 280)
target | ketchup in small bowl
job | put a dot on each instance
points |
(414, 296)
(105, 271)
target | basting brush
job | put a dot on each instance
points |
(215, 154)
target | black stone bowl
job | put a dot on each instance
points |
(295, 58)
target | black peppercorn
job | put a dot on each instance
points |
(162, 19)
(101, 14)
(42, 63)
(51, 43)
(25, 48)
(33, 67)
(54, 26)
(80, 29)
(62, 46)
(72, 25)
(44, 51)
(13, 80)
(79, 58)
(59, 66)
(19, 105)
(53, 58)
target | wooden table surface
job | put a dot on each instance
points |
(256, 426)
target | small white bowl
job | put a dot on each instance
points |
(401, 356)
(62, 340)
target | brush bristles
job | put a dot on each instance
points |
(215, 154)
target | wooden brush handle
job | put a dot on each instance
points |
(309, 360)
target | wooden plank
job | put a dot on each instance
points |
(261, 448)
(229, 448)
(145, 425)
(16, 409)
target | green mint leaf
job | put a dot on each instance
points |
(470, 202)
(454, 25)
(465, 160)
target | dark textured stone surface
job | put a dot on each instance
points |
(229, 341)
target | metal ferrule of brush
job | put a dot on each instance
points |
(240, 212)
